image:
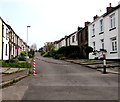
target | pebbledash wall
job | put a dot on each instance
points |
(104, 33)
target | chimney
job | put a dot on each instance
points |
(109, 8)
(95, 17)
(86, 23)
(79, 28)
(119, 3)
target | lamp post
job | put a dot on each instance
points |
(27, 42)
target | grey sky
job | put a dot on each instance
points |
(50, 20)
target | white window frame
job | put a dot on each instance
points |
(93, 29)
(101, 26)
(102, 43)
(113, 44)
(112, 21)
(73, 38)
(94, 46)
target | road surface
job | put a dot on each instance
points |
(60, 80)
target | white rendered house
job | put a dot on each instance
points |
(104, 33)
(4, 45)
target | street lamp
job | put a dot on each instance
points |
(27, 42)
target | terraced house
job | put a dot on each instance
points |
(104, 34)
(10, 43)
(67, 41)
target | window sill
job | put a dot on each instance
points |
(112, 29)
(101, 33)
(93, 36)
(112, 52)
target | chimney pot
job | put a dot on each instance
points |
(86, 23)
(110, 4)
(109, 9)
(95, 17)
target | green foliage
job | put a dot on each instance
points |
(52, 52)
(23, 53)
(32, 52)
(46, 54)
(66, 51)
(88, 49)
(58, 56)
(12, 60)
(21, 58)
(30, 55)
(74, 56)
(17, 64)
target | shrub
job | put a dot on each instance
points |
(58, 56)
(52, 52)
(74, 55)
(46, 54)
(88, 49)
(23, 53)
(17, 64)
(31, 52)
(22, 58)
(30, 55)
(62, 58)
(68, 50)
(11, 60)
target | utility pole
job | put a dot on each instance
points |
(27, 42)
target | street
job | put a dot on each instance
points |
(60, 80)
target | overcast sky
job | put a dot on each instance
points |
(50, 20)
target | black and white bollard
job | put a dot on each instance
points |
(104, 66)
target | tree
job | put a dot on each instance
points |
(34, 47)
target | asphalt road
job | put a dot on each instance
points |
(60, 80)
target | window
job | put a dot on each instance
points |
(73, 38)
(93, 46)
(112, 21)
(6, 50)
(6, 33)
(93, 30)
(2, 30)
(102, 43)
(101, 25)
(113, 44)
(76, 37)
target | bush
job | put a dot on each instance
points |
(88, 49)
(66, 51)
(23, 53)
(58, 56)
(22, 58)
(17, 64)
(52, 52)
(32, 52)
(74, 55)
(62, 58)
(30, 55)
(46, 54)
(11, 60)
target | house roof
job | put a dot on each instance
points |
(107, 13)
(114, 8)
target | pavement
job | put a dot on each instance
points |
(10, 75)
(111, 66)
